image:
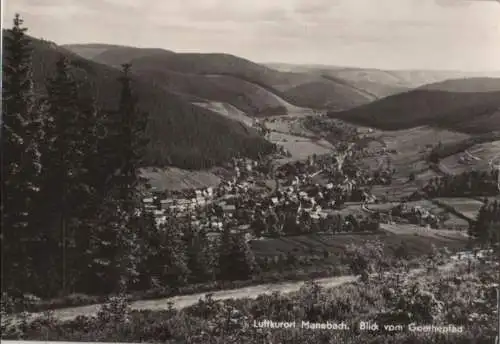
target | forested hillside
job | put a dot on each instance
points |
(181, 134)
(451, 105)
(74, 220)
(243, 76)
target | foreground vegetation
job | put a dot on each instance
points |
(462, 297)
(74, 221)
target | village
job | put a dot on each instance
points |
(325, 193)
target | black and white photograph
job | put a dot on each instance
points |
(250, 171)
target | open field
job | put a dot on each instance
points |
(349, 208)
(397, 190)
(466, 206)
(383, 207)
(401, 187)
(476, 157)
(177, 179)
(406, 151)
(410, 148)
(439, 234)
(453, 222)
(417, 239)
(300, 147)
(286, 131)
(290, 125)
(419, 137)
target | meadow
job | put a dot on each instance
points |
(416, 242)
(466, 206)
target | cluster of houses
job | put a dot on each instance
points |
(239, 199)
(212, 207)
(416, 215)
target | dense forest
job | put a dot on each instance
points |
(180, 133)
(487, 226)
(473, 183)
(72, 198)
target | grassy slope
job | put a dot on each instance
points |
(306, 245)
(172, 178)
(459, 109)
(482, 151)
(181, 133)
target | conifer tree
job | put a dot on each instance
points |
(236, 259)
(114, 247)
(131, 141)
(66, 152)
(21, 163)
(164, 257)
(199, 254)
(112, 266)
(93, 193)
(244, 259)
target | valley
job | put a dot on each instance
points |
(218, 181)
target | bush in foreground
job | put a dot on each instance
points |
(438, 298)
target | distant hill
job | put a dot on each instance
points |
(294, 88)
(470, 85)
(248, 97)
(320, 92)
(408, 79)
(182, 134)
(451, 104)
(114, 55)
(380, 83)
(198, 63)
(110, 53)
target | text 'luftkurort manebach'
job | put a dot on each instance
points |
(363, 326)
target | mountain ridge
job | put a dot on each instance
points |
(451, 104)
(281, 84)
(182, 134)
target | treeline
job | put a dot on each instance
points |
(70, 183)
(441, 151)
(73, 219)
(332, 130)
(487, 226)
(473, 183)
(286, 221)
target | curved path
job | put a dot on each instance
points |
(183, 301)
(179, 302)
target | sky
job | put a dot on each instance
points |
(387, 34)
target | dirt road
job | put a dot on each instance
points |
(184, 301)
